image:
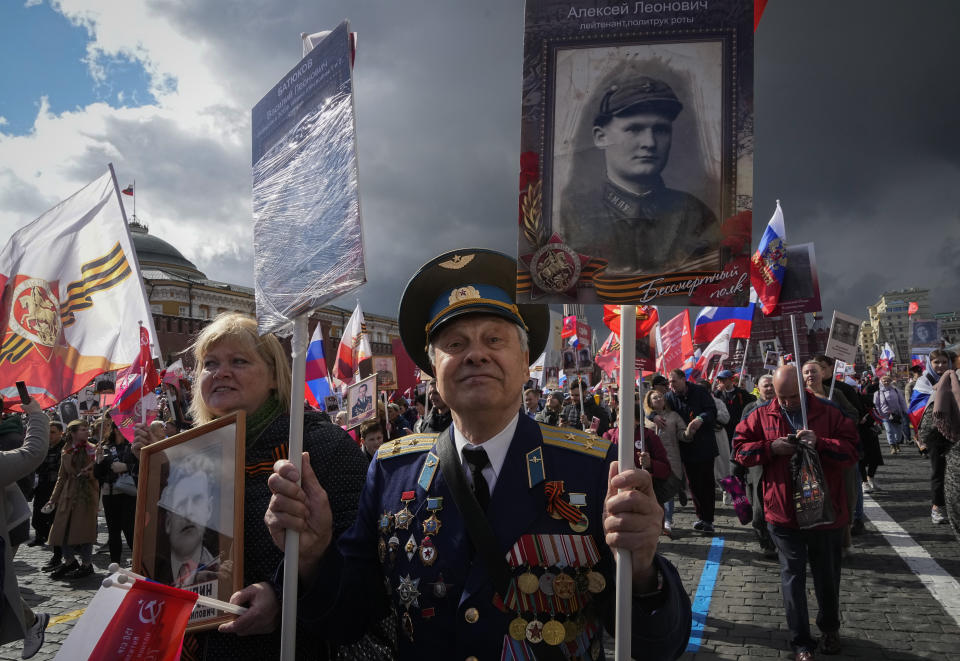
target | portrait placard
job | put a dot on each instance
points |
(584, 361)
(771, 360)
(569, 361)
(332, 402)
(361, 401)
(189, 518)
(801, 284)
(924, 333)
(842, 341)
(636, 176)
(385, 367)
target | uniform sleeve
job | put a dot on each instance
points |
(750, 446)
(663, 630)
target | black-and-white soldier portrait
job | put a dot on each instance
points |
(638, 155)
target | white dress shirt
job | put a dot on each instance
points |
(496, 449)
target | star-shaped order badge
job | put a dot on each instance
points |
(555, 268)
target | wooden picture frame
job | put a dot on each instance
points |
(361, 401)
(190, 514)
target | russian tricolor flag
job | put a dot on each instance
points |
(712, 320)
(920, 395)
(317, 386)
(769, 263)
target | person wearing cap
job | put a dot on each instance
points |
(628, 216)
(490, 539)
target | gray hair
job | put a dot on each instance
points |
(521, 333)
(765, 376)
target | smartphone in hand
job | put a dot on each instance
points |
(22, 390)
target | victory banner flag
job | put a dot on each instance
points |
(676, 342)
(72, 296)
(307, 235)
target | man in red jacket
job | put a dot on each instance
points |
(768, 437)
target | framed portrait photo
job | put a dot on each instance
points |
(637, 152)
(362, 401)
(385, 367)
(189, 519)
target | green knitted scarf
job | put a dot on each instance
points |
(260, 419)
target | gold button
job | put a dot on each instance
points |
(471, 615)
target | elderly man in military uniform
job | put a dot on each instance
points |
(629, 217)
(491, 539)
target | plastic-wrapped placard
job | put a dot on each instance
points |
(308, 240)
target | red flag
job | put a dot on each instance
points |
(912, 308)
(676, 342)
(569, 327)
(758, 7)
(149, 624)
(608, 357)
(128, 190)
(646, 318)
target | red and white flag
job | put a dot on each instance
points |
(354, 347)
(72, 295)
(146, 621)
(173, 374)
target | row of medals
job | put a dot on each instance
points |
(563, 586)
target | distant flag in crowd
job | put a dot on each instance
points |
(354, 348)
(912, 308)
(712, 320)
(135, 391)
(317, 387)
(647, 316)
(173, 374)
(920, 395)
(128, 190)
(608, 357)
(676, 343)
(719, 346)
(72, 295)
(886, 359)
(562, 380)
(569, 328)
(769, 263)
(146, 621)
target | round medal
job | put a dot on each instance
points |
(597, 583)
(580, 580)
(382, 550)
(518, 628)
(563, 586)
(553, 633)
(528, 583)
(581, 525)
(535, 631)
(546, 583)
(571, 630)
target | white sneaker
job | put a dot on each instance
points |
(33, 640)
(867, 487)
(727, 498)
(873, 483)
(937, 515)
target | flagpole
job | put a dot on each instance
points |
(628, 356)
(796, 360)
(833, 382)
(743, 363)
(291, 548)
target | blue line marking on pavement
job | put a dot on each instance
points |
(701, 601)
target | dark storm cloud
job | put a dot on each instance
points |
(855, 132)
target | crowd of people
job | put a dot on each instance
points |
(483, 462)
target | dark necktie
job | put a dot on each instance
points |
(478, 460)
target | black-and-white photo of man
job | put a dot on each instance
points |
(187, 501)
(845, 332)
(631, 191)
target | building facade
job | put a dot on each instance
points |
(888, 320)
(183, 300)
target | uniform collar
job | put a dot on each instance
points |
(496, 447)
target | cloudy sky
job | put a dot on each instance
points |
(856, 127)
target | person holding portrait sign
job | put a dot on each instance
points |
(238, 370)
(491, 537)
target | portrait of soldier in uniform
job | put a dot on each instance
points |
(613, 194)
(362, 403)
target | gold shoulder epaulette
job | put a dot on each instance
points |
(406, 445)
(576, 440)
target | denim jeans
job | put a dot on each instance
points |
(822, 548)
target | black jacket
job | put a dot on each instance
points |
(697, 402)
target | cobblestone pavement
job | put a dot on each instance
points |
(887, 611)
